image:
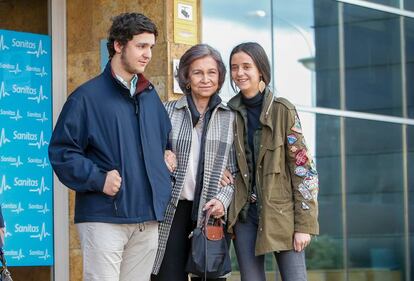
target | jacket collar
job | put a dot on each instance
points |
(142, 83)
(267, 110)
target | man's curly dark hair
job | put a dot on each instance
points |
(125, 26)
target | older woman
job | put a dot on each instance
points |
(202, 139)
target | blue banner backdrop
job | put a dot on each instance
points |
(26, 178)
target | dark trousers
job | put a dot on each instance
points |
(291, 264)
(178, 247)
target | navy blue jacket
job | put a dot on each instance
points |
(101, 128)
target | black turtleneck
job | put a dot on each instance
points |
(253, 108)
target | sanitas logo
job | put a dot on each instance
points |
(13, 161)
(27, 90)
(15, 208)
(10, 67)
(3, 92)
(3, 45)
(16, 116)
(40, 254)
(42, 235)
(26, 228)
(23, 44)
(40, 97)
(4, 186)
(41, 189)
(41, 117)
(16, 70)
(37, 70)
(39, 52)
(18, 209)
(16, 255)
(6, 233)
(40, 208)
(3, 138)
(27, 136)
(26, 182)
(42, 163)
(40, 141)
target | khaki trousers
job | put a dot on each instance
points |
(118, 252)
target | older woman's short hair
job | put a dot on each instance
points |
(194, 53)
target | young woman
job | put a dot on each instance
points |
(202, 140)
(275, 205)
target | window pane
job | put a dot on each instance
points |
(393, 3)
(409, 5)
(294, 50)
(228, 23)
(325, 254)
(327, 54)
(409, 47)
(410, 158)
(375, 213)
(372, 61)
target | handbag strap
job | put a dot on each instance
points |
(206, 219)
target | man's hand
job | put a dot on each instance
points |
(217, 208)
(226, 179)
(112, 183)
(300, 241)
(170, 160)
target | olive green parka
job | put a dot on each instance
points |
(286, 178)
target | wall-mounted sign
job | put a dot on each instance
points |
(176, 87)
(104, 54)
(26, 178)
(185, 22)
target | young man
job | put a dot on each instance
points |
(108, 145)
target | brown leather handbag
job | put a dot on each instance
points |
(209, 255)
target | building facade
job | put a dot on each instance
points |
(347, 65)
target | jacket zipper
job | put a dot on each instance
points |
(241, 149)
(136, 106)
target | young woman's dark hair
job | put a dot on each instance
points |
(259, 57)
(194, 53)
(125, 26)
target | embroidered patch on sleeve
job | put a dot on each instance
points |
(301, 171)
(297, 127)
(293, 148)
(292, 138)
(311, 182)
(305, 192)
(301, 157)
(305, 206)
